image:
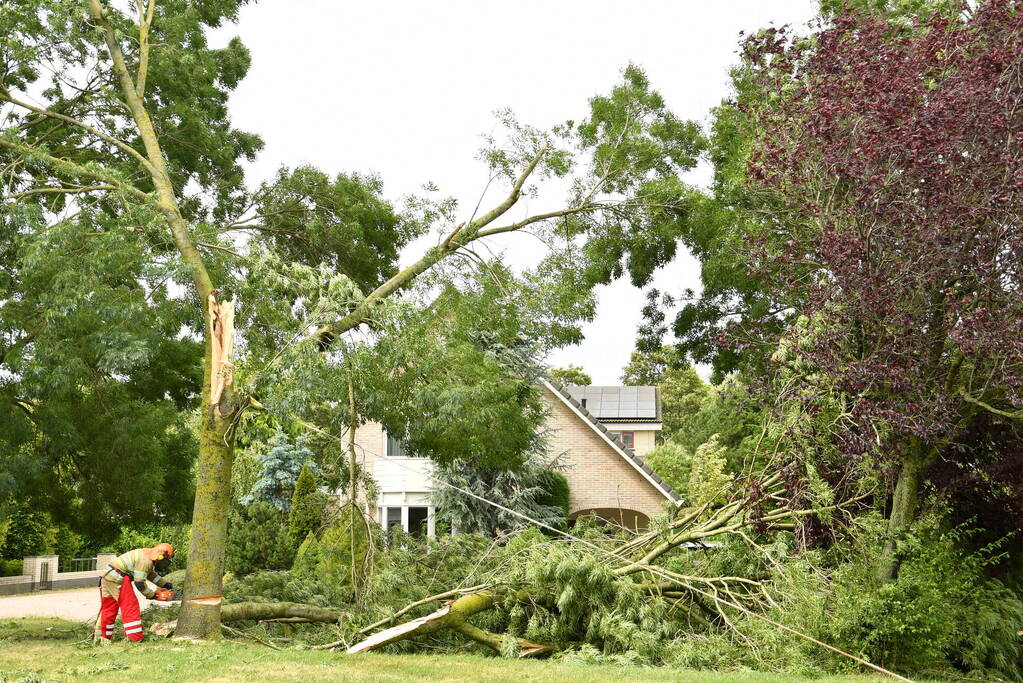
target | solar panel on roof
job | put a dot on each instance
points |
(610, 402)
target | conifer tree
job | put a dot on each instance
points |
(281, 467)
(307, 505)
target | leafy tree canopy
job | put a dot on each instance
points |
(573, 374)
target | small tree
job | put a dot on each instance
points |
(257, 540)
(307, 505)
(280, 470)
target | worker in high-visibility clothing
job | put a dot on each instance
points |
(136, 568)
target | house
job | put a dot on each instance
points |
(602, 432)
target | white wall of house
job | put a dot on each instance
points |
(403, 475)
(403, 483)
(644, 435)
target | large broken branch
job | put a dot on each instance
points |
(455, 616)
(262, 611)
(254, 611)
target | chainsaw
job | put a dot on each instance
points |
(166, 595)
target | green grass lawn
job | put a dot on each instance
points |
(28, 651)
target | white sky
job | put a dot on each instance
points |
(405, 88)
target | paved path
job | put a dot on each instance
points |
(73, 604)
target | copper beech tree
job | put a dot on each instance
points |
(889, 167)
(116, 125)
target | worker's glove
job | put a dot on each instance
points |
(163, 594)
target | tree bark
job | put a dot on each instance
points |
(904, 507)
(200, 609)
(255, 611)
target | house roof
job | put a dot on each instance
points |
(593, 422)
(618, 403)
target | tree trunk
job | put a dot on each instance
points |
(278, 610)
(353, 424)
(200, 609)
(904, 508)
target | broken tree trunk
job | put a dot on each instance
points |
(254, 611)
(455, 616)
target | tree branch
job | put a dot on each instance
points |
(60, 190)
(168, 202)
(1014, 415)
(65, 166)
(537, 218)
(123, 146)
(144, 23)
(490, 216)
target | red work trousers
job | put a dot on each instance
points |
(131, 618)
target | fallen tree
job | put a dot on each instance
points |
(641, 565)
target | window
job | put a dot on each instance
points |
(392, 518)
(396, 449)
(628, 439)
(417, 517)
(414, 520)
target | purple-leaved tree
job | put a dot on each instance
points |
(890, 165)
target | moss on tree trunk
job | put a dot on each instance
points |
(905, 501)
(205, 572)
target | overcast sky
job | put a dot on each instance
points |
(405, 88)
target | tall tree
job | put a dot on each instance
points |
(573, 374)
(127, 130)
(891, 162)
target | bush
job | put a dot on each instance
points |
(555, 491)
(11, 567)
(307, 507)
(258, 538)
(67, 544)
(28, 533)
(672, 463)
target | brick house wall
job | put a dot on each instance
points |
(598, 476)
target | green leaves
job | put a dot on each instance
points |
(341, 223)
(634, 137)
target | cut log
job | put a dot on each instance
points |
(256, 611)
(261, 611)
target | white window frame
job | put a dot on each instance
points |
(431, 517)
(387, 450)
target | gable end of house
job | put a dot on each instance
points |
(634, 460)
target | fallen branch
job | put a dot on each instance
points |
(455, 616)
(236, 632)
(433, 598)
(287, 612)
